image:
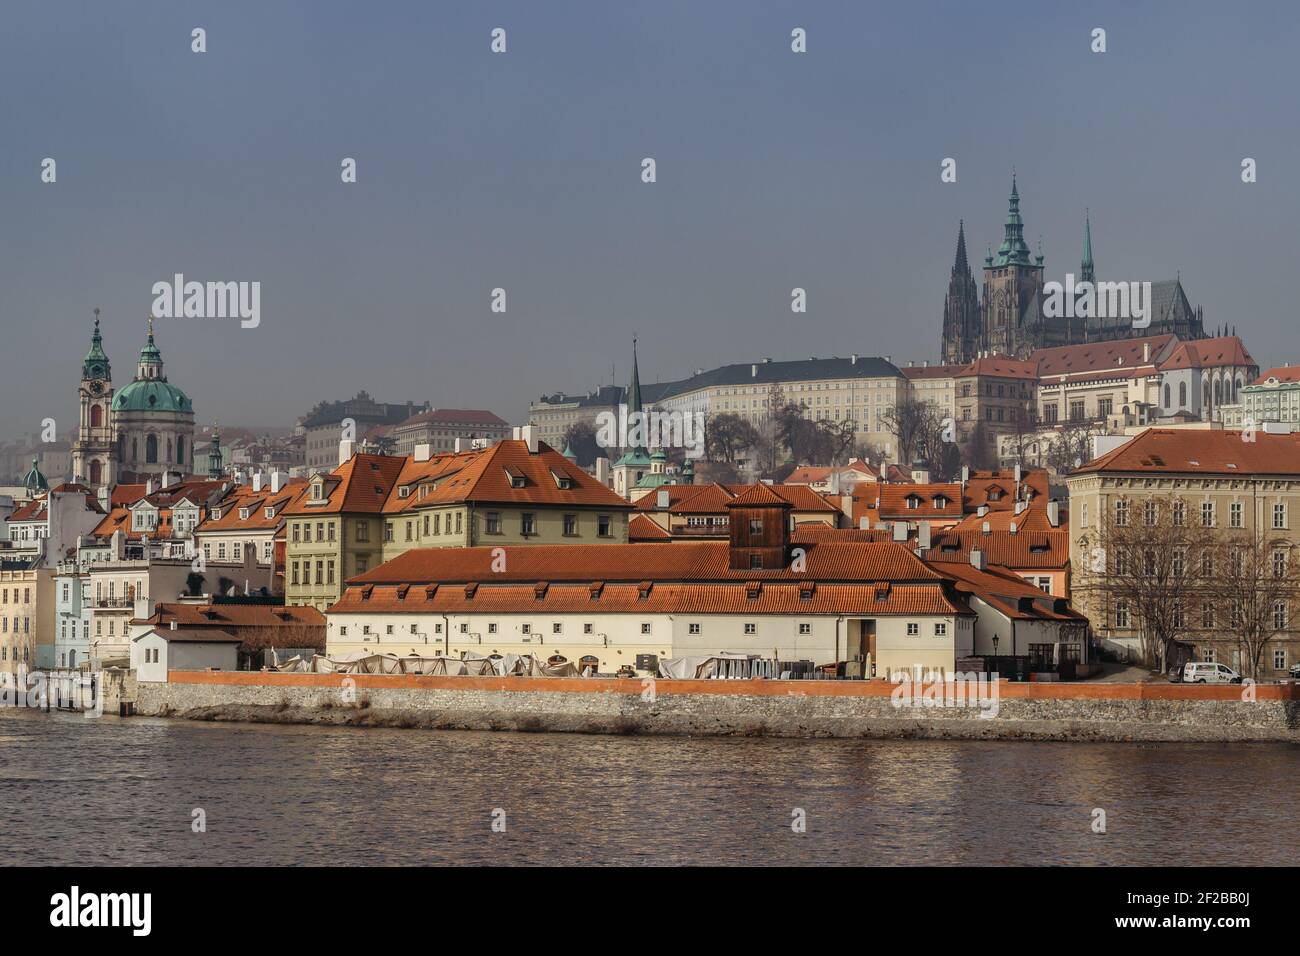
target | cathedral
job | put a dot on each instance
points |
(1008, 317)
(143, 430)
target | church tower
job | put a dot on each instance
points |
(93, 458)
(1013, 282)
(961, 308)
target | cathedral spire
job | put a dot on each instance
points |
(95, 364)
(959, 264)
(1014, 250)
(1087, 272)
(634, 386)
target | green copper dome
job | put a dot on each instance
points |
(34, 481)
(151, 395)
(95, 364)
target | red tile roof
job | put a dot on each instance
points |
(1000, 366)
(1208, 353)
(894, 498)
(1283, 373)
(1024, 549)
(1006, 591)
(243, 496)
(1119, 354)
(1213, 451)
(456, 416)
(643, 528)
(713, 499)
(683, 561)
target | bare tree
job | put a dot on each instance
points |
(907, 420)
(727, 435)
(1255, 592)
(1147, 563)
(1071, 447)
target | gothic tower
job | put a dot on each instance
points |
(961, 308)
(1013, 282)
(93, 457)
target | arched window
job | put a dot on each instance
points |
(96, 416)
(1182, 394)
(151, 449)
(1205, 394)
(169, 450)
(1166, 395)
(135, 449)
(1218, 393)
(180, 449)
(96, 472)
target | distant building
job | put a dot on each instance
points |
(323, 426)
(440, 427)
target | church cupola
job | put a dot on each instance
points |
(95, 366)
(151, 364)
(216, 466)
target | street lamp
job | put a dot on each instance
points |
(995, 653)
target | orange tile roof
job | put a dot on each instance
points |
(1099, 356)
(1213, 451)
(360, 485)
(243, 496)
(894, 498)
(233, 615)
(1208, 353)
(714, 498)
(1006, 591)
(1283, 373)
(1000, 366)
(487, 480)
(1033, 518)
(981, 485)
(1024, 549)
(643, 528)
(759, 496)
(684, 561)
(676, 598)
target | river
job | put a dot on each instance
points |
(124, 792)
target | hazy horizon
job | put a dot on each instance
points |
(522, 170)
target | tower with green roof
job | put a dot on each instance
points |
(1013, 285)
(93, 461)
(153, 420)
(628, 471)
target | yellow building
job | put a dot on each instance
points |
(26, 620)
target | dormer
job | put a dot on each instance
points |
(562, 481)
(940, 501)
(515, 477)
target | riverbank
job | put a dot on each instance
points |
(739, 708)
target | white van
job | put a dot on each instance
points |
(1203, 672)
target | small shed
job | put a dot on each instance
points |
(161, 649)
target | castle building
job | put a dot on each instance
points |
(146, 428)
(1010, 319)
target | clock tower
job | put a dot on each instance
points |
(93, 458)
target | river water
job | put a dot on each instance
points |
(124, 791)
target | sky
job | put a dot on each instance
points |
(522, 171)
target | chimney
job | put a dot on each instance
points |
(965, 475)
(514, 432)
(1054, 512)
(900, 530)
(846, 505)
(347, 448)
(854, 359)
(239, 476)
(1146, 352)
(278, 479)
(982, 510)
(166, 478)
(889, 359)
(1020, 506)
(101, 495)
(1013, 527)
(172, 625)
(864, 523)
(977, 559)
(986, 527)
(528, 434)
(1017, 477)
(257, 481)
(424, 451)
(456, 445)
(753, 371)
(923, 535)
(148, 487)
(661, 500)
(602, 470)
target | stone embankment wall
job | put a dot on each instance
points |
(729, 707)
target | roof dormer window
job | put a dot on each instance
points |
(269, 511)
(243, 514)
(516, 478)
(404, 491)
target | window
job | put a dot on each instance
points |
(1279, 658)
(1150, 513)
(1279, 516)
(329, 572)
(805, 629)
(464, 627)
(459, 516)
(528, 523)
(363, 531)
(1207, 514)
(588, 628)
(755, 527)
(388, 531)
(1235, 515)
(492, 628)
(1121, 513)
(557, 628)
(296, 532)
(1180, 513)
(1083, 514)
(913, 630)
(1121, 613)
(570, 525)
(388, 629)
(693, 629)
(940, 629)
(751, 628)
(492, 522)
(603, 526)
(645, 627)
(1207, 615)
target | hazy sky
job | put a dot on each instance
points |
(522, 171)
